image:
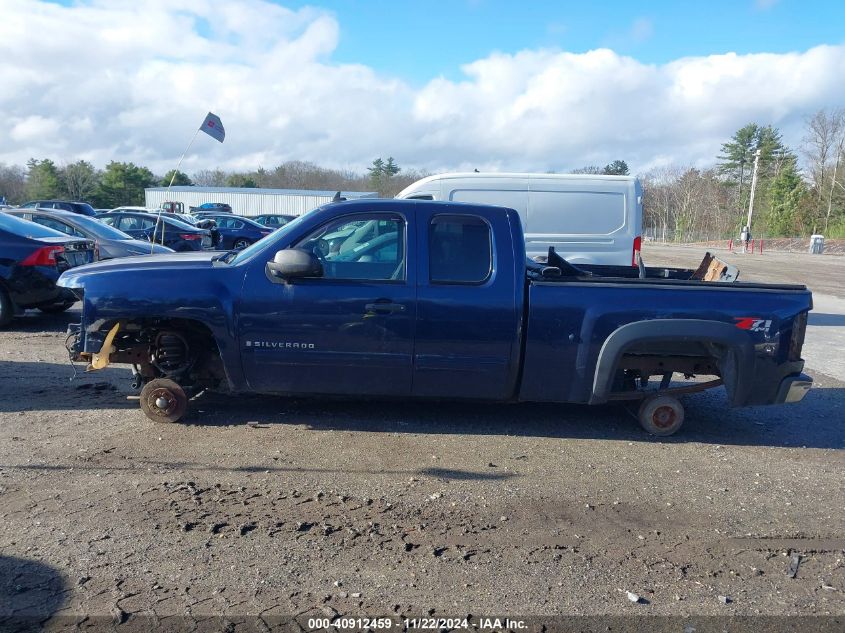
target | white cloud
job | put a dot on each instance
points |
(32, 128)
(129, 80)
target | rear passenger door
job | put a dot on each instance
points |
(468, 317)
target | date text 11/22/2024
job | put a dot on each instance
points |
(410, 624)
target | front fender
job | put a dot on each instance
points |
(208, 297)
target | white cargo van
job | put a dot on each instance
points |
(588, 219)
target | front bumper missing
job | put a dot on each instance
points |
(105, 346)
(100, 360)
(794, 388)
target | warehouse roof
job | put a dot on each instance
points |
(260, 190)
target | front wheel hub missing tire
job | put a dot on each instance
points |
(162, 400)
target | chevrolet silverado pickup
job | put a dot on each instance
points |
(422, 299)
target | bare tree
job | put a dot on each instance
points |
(80, 179)
(12, 183)
(822, 146)
(210, 178)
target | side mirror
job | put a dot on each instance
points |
(294, 262)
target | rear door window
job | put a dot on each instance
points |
(460, 250)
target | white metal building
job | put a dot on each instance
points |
(249, 201)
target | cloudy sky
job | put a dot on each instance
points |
(525, 86)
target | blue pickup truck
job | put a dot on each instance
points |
(420, 299)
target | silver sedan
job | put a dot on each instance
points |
(111, 242)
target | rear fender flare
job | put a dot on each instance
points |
(737, 366)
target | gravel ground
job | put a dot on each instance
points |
(274, 507)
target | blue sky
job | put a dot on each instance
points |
(418, 40)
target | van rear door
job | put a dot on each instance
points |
(586, 221)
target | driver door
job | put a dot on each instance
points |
(350, 331)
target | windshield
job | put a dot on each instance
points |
(26, 228)
(99, 229)
(260, 245)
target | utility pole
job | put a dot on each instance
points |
(753, 188)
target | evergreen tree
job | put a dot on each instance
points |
(241, 180)
(736, 163)
(391, 168)
(785, 192)
(123, 184)
(381, 172)
(42, 180)
(616, 168)
(181, 179)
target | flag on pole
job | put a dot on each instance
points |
(213, 126)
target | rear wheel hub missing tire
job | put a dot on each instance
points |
(664, 417)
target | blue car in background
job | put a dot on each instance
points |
(82, 208)
(237, 232)
(212, 207)
(172, 233)
(31, 259)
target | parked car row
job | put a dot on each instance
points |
(237, 232)
(110, 242)
(42, 239)
(175, 234)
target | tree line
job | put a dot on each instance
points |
(796, 194)
(798, 191)
(123, 183)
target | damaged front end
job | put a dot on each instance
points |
(182, 351)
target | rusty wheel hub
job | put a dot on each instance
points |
(163, 401)
(664, 417)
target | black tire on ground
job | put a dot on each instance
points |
(241, 243)
(57, 308)
(7, 309)
(162, 400)
(661, 415)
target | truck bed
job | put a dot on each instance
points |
(711, 271)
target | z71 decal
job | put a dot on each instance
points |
(753, 324)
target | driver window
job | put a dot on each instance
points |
(370, 247)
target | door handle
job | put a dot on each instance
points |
(384, 308)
